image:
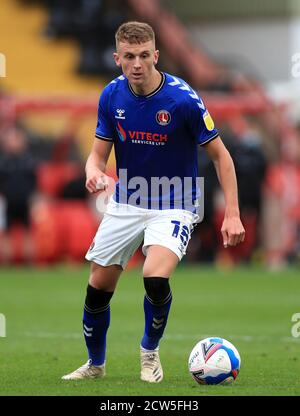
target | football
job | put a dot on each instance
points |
(214, 361)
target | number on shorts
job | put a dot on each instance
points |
(184, 232)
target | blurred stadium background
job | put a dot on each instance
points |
(241, 57)
(56, 56)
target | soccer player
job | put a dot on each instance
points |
(155, 122)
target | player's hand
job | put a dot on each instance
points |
(233, 232)
(96, 181)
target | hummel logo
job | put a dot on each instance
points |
(157, 323)
(120, 112)
(87, 331)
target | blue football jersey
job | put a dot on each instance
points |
(155, 139)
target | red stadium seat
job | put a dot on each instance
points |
(52, 176)
(62, 230)
(45, 226)
(80, 230)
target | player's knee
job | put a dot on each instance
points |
(158, 290)
(97, 300)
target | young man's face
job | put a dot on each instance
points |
(137, 61)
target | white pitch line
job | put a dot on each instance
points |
(245, 338)
(67, 335)
(172, 337)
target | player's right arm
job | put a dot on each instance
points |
(96, 180)
(95, 166)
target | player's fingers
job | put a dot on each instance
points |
(231, 239)
(240, 236)
(102, 183)
(88, 186)
(225, 238)
(236, 238)
(91, 185)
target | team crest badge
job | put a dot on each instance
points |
(163, 117)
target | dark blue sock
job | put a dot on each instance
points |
(95, 326)
(156, 316)
(96, 319)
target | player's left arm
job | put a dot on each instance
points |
(232, 229)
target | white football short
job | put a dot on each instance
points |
(124, 227)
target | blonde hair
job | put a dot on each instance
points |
(134, 32)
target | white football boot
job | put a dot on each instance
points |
(151, 369)
(87, 370)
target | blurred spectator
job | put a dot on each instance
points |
(204, 244)
(281, 226)
(75, 189)
(245, 147)
(96, 32)
(17, 185)
(61, 17)
(93, 24)
(251, 164)
(64, 165)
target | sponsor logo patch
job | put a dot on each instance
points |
(208, 121)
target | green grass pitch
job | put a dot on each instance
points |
(251, 307)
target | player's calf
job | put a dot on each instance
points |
(157, 303)
(96, 320)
